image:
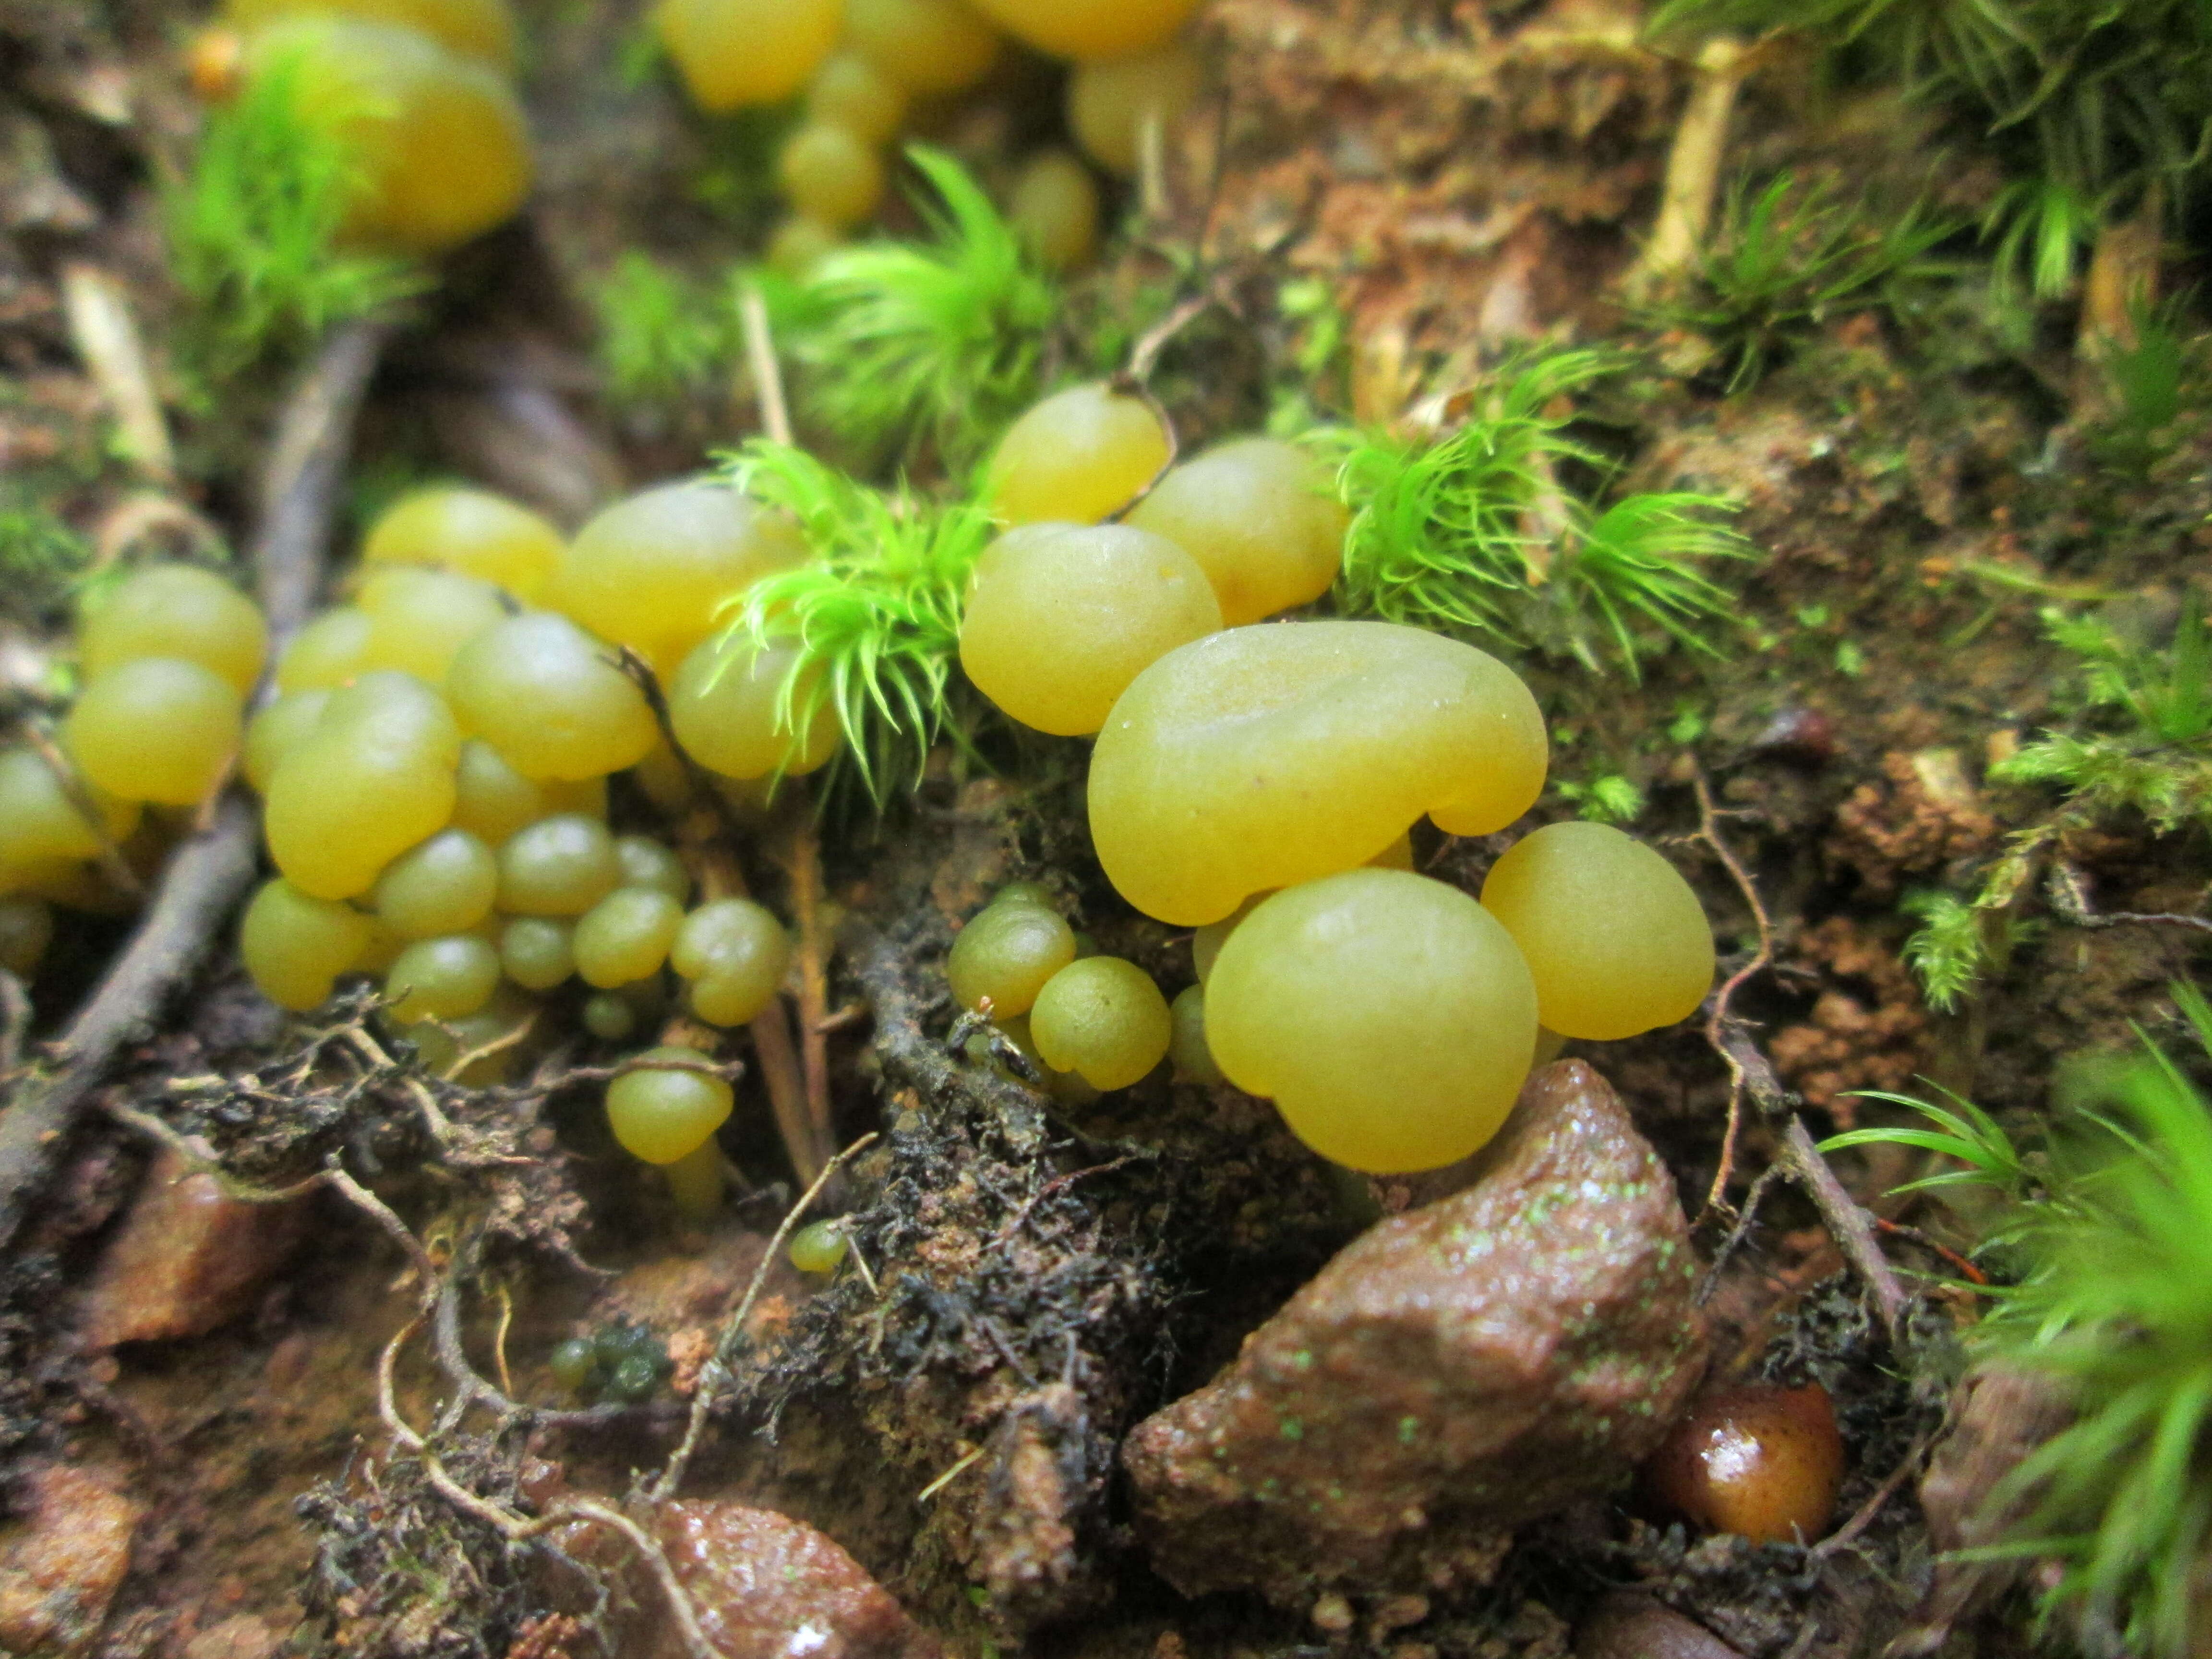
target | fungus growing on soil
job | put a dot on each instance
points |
(1760, 1461)
(1003, 958)
(668, 1104)
(471, 532)
(1079, 457)
(1104, 1019)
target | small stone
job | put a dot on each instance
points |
(1453, 1372)
(1637, 1627)
(243, 1637)
(188, 1259)
(62, 1564)
(767, 1587)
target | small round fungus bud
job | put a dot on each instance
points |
(1762, 1462)
(1053, 209)
(550, 699)
(572, 1362)
(830, 174)
(1004, 954)
(1111, 103)
(667, 1104)
(537, 952)
(818, 1248)
(696, 1181)
(445, 885)
(608, 1016)
(625, 936)
(1194, 1061)
(329, 652)
(373, 778)
(558, 866)
(156, 729)
(26, 927)
(441, 978)
(1257, 515)
(723, 706)
(295, 946)
(277, 730)
(652, 571)
(1086, 29)
(926, 45)
(1617, 941)
(473, 532)
(736, 52)
(1076, 458)
(173, 610)
(1389, 1016)
(420, 619)
(799, 244)
(850, 92)
(41, 823)
(491, 800)
(1102, 1019)
(1061, 617)
(735, 954)
(649, 863)
(1266, 755)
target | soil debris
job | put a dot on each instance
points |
(1926, 815)
(188, 1259)
(61, 1566)
(1453, 1372)
(1868, 1029)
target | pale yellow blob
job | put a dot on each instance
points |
(926, 45)
(328, 652)
(1616, 940)
(550, 699)
(295, 946)
(722, 705)
(1053, 209)
(1086, 29)
(472, 532)
(483, 29)
(1262, 757)
(156, 729)
(736, 52)
(1389, 1016)
(277, 730)
(173, 611)
(420, 619)
(1078, 457)
(1257, 515)
(850, 91)
(1061, 617)
(1102, 1019)
(1111, 104)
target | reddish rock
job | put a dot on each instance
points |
(61, 1564)
(767, 1587)
(1454, 1372)
(188, 1259)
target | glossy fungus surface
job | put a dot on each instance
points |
(1090, 28)
(667, 1105)
(1257, 515)
(1076, 458)
(471, 532)
(173, 611)
(550, 699)
(1004, 954)
(1102, 1019)
(1389, 1016)
(735, 52)
(1262, 757)
(1114, 103)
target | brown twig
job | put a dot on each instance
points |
(1718, 1015)
(1846, 1534)
(716, 1373)
(208, 873)
(760, 358)
(2069, 890)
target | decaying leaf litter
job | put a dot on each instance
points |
(1953, 548)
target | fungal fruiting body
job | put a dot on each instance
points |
(471, 532)
(1258, 516)
(1077, 458)
(1086, 29)
(1760, 1461)
(1263, 757)
(1116, 105)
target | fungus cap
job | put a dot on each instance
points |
(1077, 457)
(1086, 29)
(1266, 755)
(472, 532)
(735, 52)
(1617, 943)
(1389, 1016)
(1256, 514)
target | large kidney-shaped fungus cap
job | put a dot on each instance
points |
(1617, 941)
(1389, 1016)
(1266, 755)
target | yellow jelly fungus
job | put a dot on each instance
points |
(420, 619)
(276, 730)
(1054, 208)
(1389, 1017)
(1004, 954)
(1617, 941)
(41, 825)
(446, 978)
(1102, 1019)
(470, 531)
(438, 139)
(1061, 617)
(491, 800)
(156, 729)
(735, 954)
(1114, 106)
(800, 244)
(667, 1105)
(1086, 29)
(830, 173)
(550, 699)
(651, 571)
(327, 653)
(722, 705)
(558, 866)
(926, 45)
(295, 946)
(696, 1181)
(474, 28)
(173, 611)
(818, 1248)
(648, 863)
(1193, 1062)
(1262, 757)
(1079, 457)
(625, 936)
(736, 52)
(850, 91)
(445, 885)
(374, 777)
(1257, 516)
(537, 952)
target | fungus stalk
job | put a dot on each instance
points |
(1693, 165)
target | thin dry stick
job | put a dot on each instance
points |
(1693, 164)
(760, 358)
(106, 337)
(716, 1371)
(1719, 1019)
(208, 873)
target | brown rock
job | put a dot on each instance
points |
(243, 1637)
(188, 1259)
(1637, 1627)
(767, 1587)
(1454, 1372)
(62, 1564)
